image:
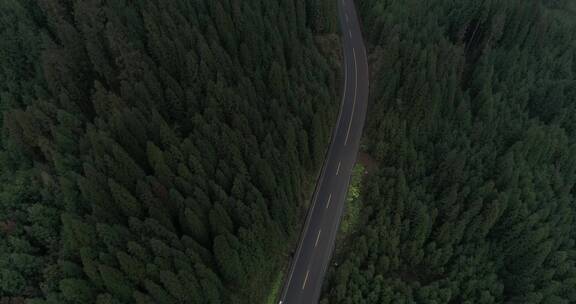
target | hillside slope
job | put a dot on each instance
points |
(157, 151)
(472, 122)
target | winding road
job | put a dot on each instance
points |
(310, 262)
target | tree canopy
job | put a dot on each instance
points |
(472, 123)
(157, 151)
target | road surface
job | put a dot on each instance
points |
(309, 264)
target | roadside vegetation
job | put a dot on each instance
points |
(353, 201)
(275, 288)
(472, 121)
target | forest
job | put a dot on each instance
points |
(158, 151)
(472, 121)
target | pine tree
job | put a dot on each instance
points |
(227, 258)
(125, 201)
(76, 290)
(115, 282)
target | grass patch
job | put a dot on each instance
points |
(353, 202)
(275, 288)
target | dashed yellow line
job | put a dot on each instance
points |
(305, 279)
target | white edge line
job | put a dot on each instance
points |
(315, 198)
(334, 230)
(355, 91)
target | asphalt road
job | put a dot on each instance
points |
(304, 281)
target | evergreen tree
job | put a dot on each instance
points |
(143, 158)
(472, 161)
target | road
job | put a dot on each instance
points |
(310, 262)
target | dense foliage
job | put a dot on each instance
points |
(155, 151)
(473, 122)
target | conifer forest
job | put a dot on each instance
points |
(473, 124)
(166, 151)
(158, 151)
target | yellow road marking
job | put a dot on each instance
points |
(305, 279)
(317, 238)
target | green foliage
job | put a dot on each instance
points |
(353, 201)
(156, 151)
(76, 291)
(472, 123)
(276, 288)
